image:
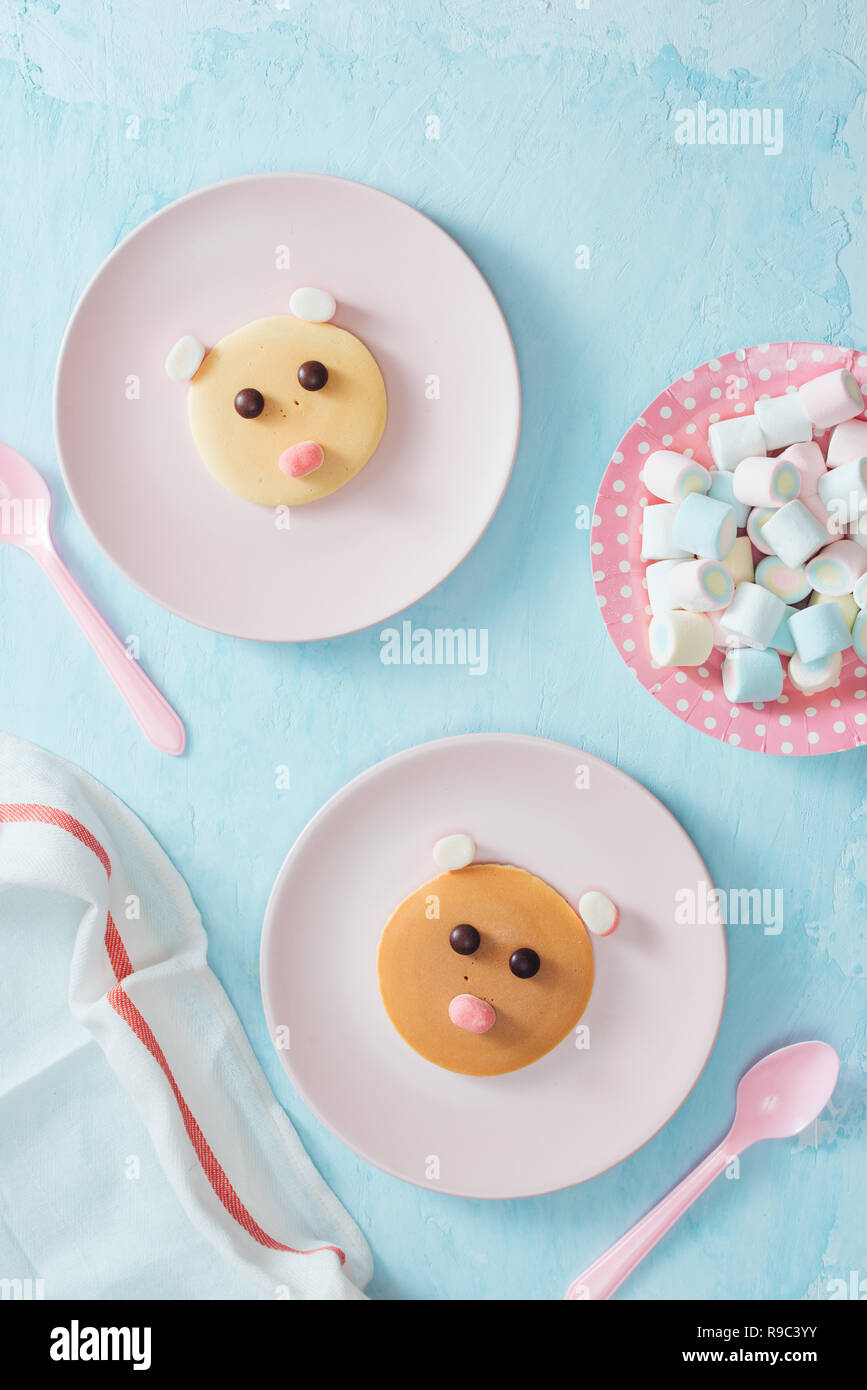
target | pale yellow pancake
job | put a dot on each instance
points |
(346, 417)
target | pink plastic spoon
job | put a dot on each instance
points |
(25, 505)
(777, 1098)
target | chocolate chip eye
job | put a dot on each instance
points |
(464, 939)
(312, 376)
(249, 403)
(524, 963)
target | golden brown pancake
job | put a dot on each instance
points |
(420, 973)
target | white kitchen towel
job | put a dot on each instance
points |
(88, 897)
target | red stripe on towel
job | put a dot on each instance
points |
(123, 1005)
(20, 813)
(120, 961)
(49, 815)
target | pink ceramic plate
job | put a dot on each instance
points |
(212, 262)
(678, 419)
(653, 1015)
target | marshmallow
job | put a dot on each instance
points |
(680, 639)
(764, 482)
(185, 359)
(844, 490)
(739, 561)
(657, 526)
(752, 676)
(819, 631)
(847, 442)
(784, 420)
(807, 460)
(658, 595)
(705, 527)
(454, 852)
(859, 593)
(816, 507)
(474, 1015)
(598, 913)
(831, 399)
(794, 534)
(301, 459)
(837, 568)
(789, 583)
(812, 677)
(753, 615)
(845, 602)
(701, 585)
(723, 640)
(730, 441)
(755, 526)
(314, 306)
(672, 476)
(782, 640)
(722, 489)
(859, 635)
(857, 531)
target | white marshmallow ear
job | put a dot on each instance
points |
(598, 913)
(454, 852)
(314, 306)
(185, 359)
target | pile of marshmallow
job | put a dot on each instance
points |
(764, 555)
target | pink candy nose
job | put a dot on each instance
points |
(301, 459)
(475, 1015)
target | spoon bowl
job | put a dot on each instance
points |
(784, 1092)
(25, 502)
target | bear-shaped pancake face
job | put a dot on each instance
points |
(285, 411)
(484, 969)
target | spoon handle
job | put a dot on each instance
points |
(158, 720)
(607, 1273)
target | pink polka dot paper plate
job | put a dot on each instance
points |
(678, 419)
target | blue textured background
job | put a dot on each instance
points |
(556, 130)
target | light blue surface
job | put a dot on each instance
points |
(557, 131)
